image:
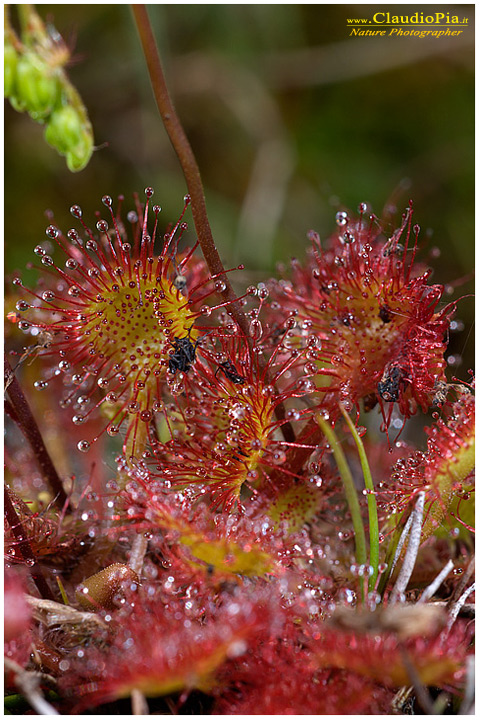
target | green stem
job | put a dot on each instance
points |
(349, 487)
(390, 555)
(371, 501)
(32, 26)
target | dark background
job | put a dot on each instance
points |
(289, 117)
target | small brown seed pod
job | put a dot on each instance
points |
(103, 590)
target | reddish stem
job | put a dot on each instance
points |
(298, 455)
(26, 422)
(187, 160)
(189, 165)
(25, 547)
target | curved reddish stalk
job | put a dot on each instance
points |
(187, 160)
(26, 422)
(191, 172)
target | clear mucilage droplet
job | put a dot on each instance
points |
(102, 226)
(256, 329)
(52, 232)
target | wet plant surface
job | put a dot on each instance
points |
(225, 498)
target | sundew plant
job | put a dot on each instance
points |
(239, 451)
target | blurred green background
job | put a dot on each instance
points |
(289, 117)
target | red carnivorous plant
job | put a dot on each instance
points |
(242, 532)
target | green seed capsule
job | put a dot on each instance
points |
(64, 129)
(102, 591)
(37, 87)
(78, 157)
(10, 60)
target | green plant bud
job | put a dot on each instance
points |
(64, 129)
(10, 60)
(16, 103)
(104, 589)
(78, 157)
(37, 87)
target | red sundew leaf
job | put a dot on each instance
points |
(246, 545)
(380, 656)
(296, 505)
(52, 542)
(442, 471)
(225, 435)
(114, 314)
(371, 308)
(162, 645)
(450, 459)
(281, 678)
(235, 554)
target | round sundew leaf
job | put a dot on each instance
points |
(230, 557)
(296, 506)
